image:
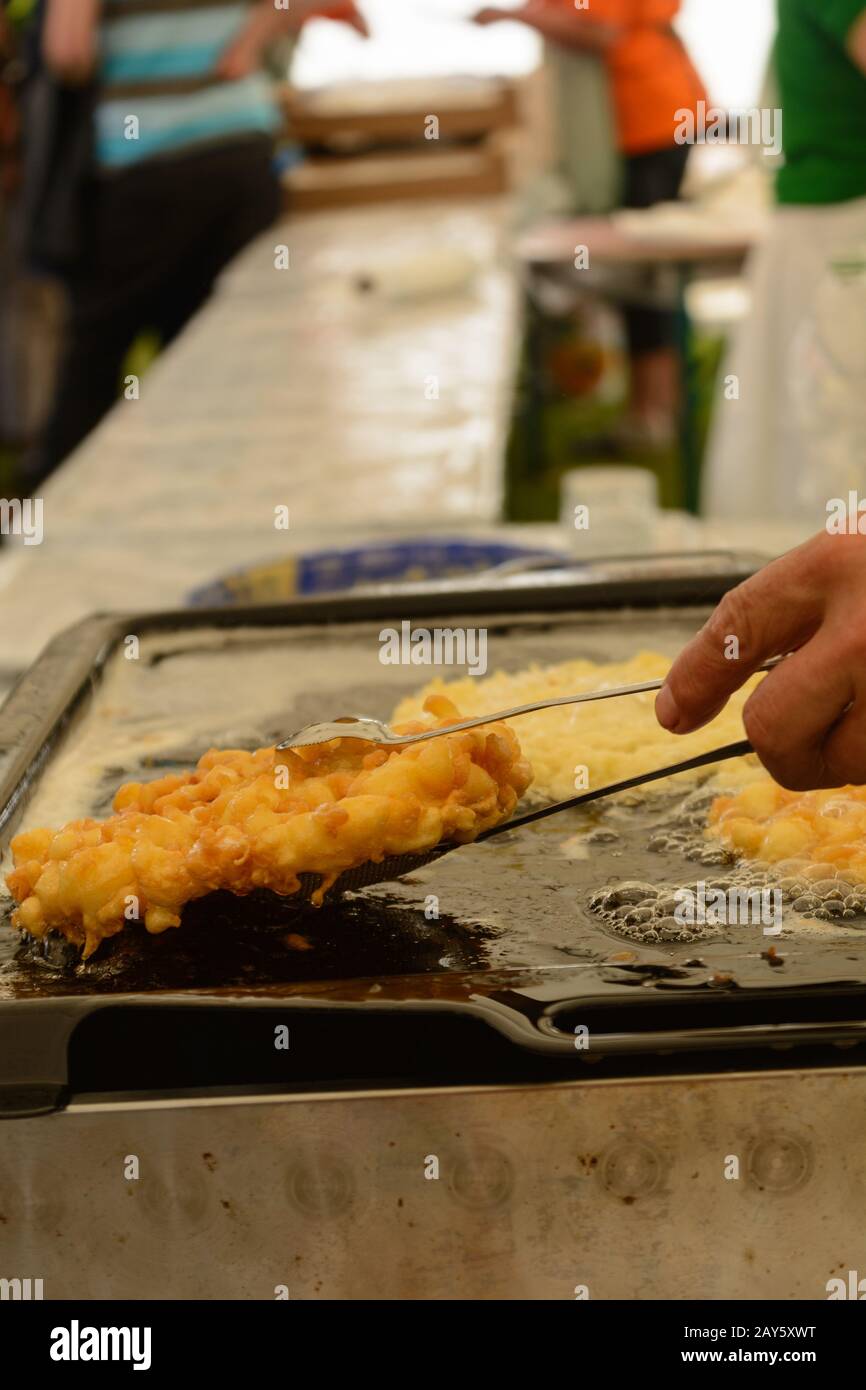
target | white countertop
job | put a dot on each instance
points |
(290, 390)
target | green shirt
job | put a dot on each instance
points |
(823, 96)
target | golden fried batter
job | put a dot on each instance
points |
(821, 832)
(243, 820)
(611, 739)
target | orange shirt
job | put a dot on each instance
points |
(651, 74)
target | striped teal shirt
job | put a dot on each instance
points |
(158, 91)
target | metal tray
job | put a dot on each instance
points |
(516, 949)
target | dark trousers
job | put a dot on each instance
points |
(649, 179)
(158, 235)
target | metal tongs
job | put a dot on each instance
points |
(394, 867)
(374, 731)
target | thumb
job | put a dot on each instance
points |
(770, 614)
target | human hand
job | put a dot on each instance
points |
(490, 14)
(807, 719)
(347, 13)
(244, 54)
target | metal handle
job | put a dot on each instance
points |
(374, 731)
(610, 694)
(716, 755)
(480, 719)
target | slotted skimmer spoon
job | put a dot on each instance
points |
(375, 732)
(394, 867)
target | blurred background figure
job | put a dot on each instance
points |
(9, 123)
(793, 432)
(652, 79)
(149, 160)
(437, 357)
(29, 307)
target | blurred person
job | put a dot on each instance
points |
(9, 117)
(9, 127)
(22, 317)
(170, 173)
(653, 81)
(761, 460)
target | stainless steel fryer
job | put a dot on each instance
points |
(408, 1041)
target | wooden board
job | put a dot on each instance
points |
(314, 120)
(335, 183)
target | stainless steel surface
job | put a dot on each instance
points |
(684, 567)
(337, 1187)
(621, 1188)
(514, 913)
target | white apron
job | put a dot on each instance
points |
(760, 464)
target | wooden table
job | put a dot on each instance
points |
(553, 245)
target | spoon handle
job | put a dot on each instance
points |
(380, 734)
(716, 755)
(588, 695)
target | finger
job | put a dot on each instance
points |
(845, 747)
(794, 716)
(774, 612)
